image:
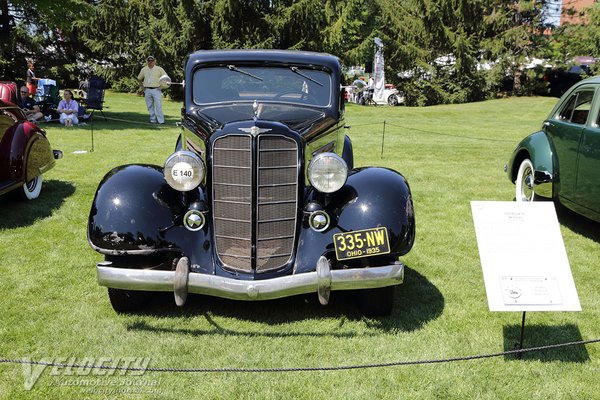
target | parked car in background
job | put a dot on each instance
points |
(560, 80)
(260, 199)
(562, 160)
(363, 96)
(25, 153)
(391, 96)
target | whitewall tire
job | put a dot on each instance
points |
(524, 183)
(31, 190)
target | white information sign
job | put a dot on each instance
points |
(523, 257)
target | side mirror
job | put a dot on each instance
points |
(165, 82)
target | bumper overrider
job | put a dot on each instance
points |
(182, 281)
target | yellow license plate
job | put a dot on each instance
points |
(363, 243)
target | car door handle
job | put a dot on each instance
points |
(547, 124)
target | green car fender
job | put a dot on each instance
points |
(538, 148)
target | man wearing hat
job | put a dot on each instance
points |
(149, 82)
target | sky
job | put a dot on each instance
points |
(552, 12)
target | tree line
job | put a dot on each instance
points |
(438, 51)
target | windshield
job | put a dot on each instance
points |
(244, 83)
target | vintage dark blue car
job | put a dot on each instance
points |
(260, 199)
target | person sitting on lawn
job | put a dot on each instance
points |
(28, 105)
(68, 108)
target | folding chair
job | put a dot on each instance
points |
(95, 95)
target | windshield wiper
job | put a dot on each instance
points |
(297, 71)
(236, 69)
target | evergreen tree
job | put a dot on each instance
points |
(122, 33)
(42, 31)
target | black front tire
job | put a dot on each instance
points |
(377, 302)
(124, 301)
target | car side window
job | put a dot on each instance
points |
(582, 107)
(577, 107)
(567, 111)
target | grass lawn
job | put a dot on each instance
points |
(51, 306)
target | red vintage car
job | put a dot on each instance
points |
(25, 153)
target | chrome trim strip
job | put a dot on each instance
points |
(279, 167)
(276, 237)
(212, 285)
(262, 203)
(232, 202)
(278, 184)
(224, 149)
(230, 166)
(234, 255)
(231, 184)
(272, 256)
(275, 220)
(232, 237)
(231, 219)
(270, 150)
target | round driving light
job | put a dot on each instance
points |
(184, 171)
(327, 172)
(319, 221)
(194, 220)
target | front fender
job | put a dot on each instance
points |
(538, 149)
(372, 197)
(136, 212)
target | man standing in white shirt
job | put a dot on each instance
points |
(149, 78)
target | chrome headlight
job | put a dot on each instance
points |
(327, 172)
(184, 171)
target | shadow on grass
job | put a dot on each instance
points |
(541, 335)
(417, 302)
(122, 120)
(578, 223)
(15, 213)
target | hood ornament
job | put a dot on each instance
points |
(257, 109)
(254, 130)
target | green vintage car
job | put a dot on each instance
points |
(562, 160)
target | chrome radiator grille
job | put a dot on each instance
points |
(271, 212)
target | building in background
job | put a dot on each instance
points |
(572, 11)
(560, 12)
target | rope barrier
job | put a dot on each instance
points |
(432, 132)
(302, 369)
(451, 135)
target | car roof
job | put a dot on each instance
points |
(265, 56)
(592, 80)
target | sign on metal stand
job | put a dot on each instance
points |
(523, 258)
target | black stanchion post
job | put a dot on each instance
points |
(520, 345)
(383, 138)
(92, 126)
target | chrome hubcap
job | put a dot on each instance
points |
(527, 186)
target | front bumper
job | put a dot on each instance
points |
(322, 281)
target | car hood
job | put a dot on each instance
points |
(304, 120)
